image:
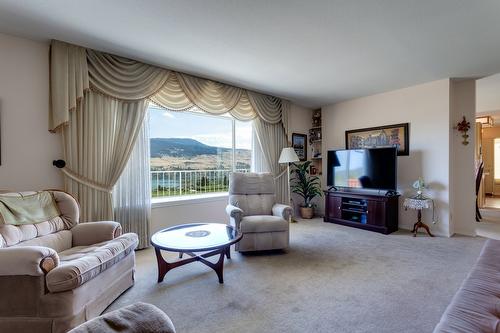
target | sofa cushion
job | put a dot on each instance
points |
(263, 223)
(58, 241)
(476, 305)
(82, 263)
(13, 234)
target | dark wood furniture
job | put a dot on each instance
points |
(419, 224)
(479, 177)
(210, 238)
(418, 203)
(365, 211)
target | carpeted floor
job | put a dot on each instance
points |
(332, 279)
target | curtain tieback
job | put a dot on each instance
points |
(85, 181)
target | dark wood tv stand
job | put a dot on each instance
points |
(365, 211)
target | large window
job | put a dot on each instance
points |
(192, 153)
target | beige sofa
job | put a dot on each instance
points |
(57, 274)
(475, 308)
(254, 212)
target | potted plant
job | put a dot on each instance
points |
(307, 186)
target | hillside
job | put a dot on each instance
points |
(181, 147)
(189, 154)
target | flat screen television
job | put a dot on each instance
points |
(373, 168)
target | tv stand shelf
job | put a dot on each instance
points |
(365, 211)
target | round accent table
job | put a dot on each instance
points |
(418, 204)
(210, 238)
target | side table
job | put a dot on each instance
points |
(418, 204)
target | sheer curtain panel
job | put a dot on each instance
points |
(132, 193)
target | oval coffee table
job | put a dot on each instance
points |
(211, 238)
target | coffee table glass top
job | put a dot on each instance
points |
(195, 237)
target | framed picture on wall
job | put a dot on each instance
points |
(381, 136)
(299, 144)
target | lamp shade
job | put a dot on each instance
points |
(288, 155)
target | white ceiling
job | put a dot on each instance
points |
(311, 52)
(488, 95)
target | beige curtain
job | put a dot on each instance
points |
(132, 192)
(68, 81)
(130, 80)
(97, 144)
(74, 70)
(272, 139)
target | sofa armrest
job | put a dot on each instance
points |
(283, 211)
(235, 215)
(27, 260)
(95, 232)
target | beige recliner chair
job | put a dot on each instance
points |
(254, 212)
(55, 275)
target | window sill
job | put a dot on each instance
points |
(188, 199)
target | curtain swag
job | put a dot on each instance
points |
(75, 70)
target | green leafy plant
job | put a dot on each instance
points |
(305, 185)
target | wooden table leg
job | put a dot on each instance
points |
(162, 265)
(420, 224)
(426, 229)
(228, 252)
(414, 230)
(218, 267)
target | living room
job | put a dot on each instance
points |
(145, 146)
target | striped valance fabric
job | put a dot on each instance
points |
(76, 69)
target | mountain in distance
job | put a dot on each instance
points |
(183, 147)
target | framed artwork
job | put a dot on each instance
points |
(299, 144)
(381, 136)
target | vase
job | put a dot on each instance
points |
(306, 212)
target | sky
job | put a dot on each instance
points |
(212, 131)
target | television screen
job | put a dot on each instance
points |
(373, 168)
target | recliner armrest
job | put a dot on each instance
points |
(235, 213)
(27, 260)
(95, 232)
(283, 211)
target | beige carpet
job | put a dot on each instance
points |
(332, 279)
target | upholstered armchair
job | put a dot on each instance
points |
(56, 274)
(254, 212)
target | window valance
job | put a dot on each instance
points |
(75, 69)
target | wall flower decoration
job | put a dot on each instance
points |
(463, 127)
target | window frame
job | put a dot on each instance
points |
(175, 200)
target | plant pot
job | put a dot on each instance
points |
(306, 212)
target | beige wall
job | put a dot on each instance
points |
(426, 108)
(212, 210)
(301, 122)
(27, 147)
(462, 158)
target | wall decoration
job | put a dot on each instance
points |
(381, 136)
(464, 127)
(299, 144)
